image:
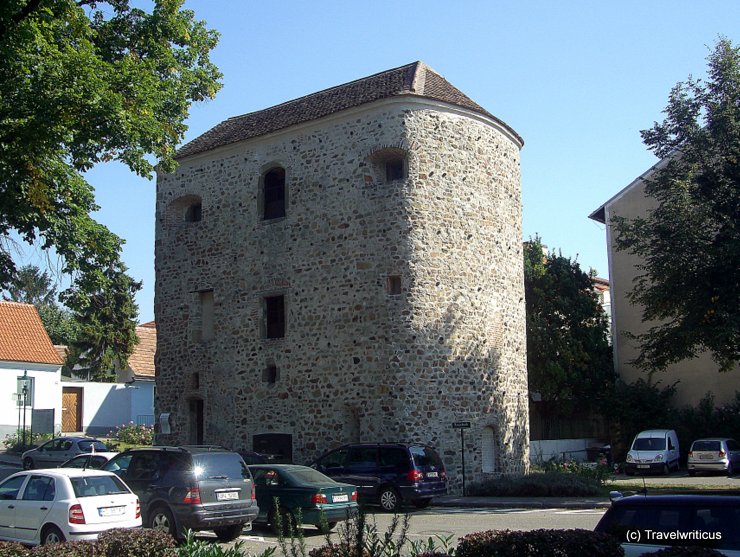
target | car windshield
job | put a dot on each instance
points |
(309, 476)
(93, 486)
(220, 465)
(649, 444)
(706, 446)
(424, 456)
(87, 446)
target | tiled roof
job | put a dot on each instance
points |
(23, 337)
(141, 361)
(415, 79)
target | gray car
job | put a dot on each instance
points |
(717, 454)
(57, 451)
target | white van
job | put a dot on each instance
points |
(654, 450)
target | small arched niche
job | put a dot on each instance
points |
(185, 209)
(389, 165)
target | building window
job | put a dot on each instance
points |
(394, 169)
(196, 380)
(488, 449)
(274, 316)
(273, 194)
(194, 212)
(206, 316)
(393, 285)
(389, 165)
(270, 374)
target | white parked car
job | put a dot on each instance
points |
(59, 504)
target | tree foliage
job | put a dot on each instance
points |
(688, 283)
(83, 82)
(569, 359)
(35, 287)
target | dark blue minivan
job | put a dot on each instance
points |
(388, 474)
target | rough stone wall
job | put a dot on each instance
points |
(357, 363)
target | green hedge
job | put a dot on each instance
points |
(536, 543)
(538, 484)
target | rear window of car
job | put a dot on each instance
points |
(424, 456)
(94, 486)
(309, 476)
(220, 465)
(87, 445)
(706, 446)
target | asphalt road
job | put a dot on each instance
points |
(436, 523)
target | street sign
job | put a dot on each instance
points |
(460, 425)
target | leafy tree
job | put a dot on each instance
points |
(32, 286)
(689, 284)
(83, 82)
(569, 359)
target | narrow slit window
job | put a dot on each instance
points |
(206, 316)
(274, 194)
(394, 285)
(270, 374)
(274, 316)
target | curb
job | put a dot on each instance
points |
(521, 503)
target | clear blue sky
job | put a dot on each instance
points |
(577, 80)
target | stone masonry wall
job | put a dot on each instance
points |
(357, 363)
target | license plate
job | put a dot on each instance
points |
(432, 475)
(642, 466)
(705, 456)
(111, 511)
(343, 498)
(227, 495)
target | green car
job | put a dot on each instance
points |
(303, 493)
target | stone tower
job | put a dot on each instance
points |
(346, 267)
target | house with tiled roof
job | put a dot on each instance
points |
(27, 358)
(347, 267)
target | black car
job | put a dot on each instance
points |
(197, 488)
(388, 474)
(647, 523)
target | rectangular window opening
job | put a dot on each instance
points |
(274, 307)
(206, 315)
(394, 285)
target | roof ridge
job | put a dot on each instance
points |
(322, 91)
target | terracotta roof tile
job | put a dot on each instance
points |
(141, 361)
(415, 79)
(23, 337)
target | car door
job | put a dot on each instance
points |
(733, 450)
(142, 476)
(362, 471)
(9, 491)
(44, 454)
(33, 506)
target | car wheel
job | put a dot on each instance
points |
(28, 463)
(161, 519)
(51, 534)
(229, 533)
(389, 500)
(730, 470)
(666, 470)
(692, 473)
(629, 473)
(326, 527)
(422, 503)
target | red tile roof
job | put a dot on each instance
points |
(23, 337)
(141, 361)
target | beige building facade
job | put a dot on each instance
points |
(347, 267)
(693, 378)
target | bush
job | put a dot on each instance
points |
(66, 549)
(535, 543)
(538, 484)
(599, 471)
(14, 441)
(135, 542)
(13, 549)
(133, 434)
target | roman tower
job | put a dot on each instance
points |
(343, 267)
